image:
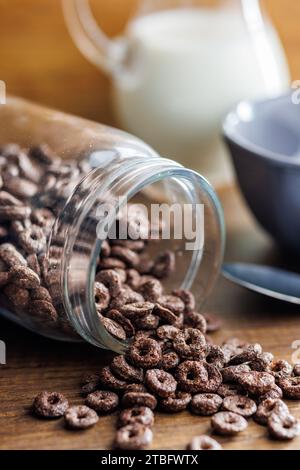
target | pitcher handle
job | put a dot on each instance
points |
(103, 52)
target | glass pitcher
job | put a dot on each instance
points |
(180, 66)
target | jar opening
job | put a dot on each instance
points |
(182, 214)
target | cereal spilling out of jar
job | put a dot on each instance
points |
(171, 364)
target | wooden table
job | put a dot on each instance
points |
(35, 364)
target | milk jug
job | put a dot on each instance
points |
(178, 69)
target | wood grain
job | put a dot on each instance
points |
(34, 363)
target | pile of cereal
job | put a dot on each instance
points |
(171, 363)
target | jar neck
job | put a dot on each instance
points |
(82, 230)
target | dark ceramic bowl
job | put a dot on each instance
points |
(264, 141)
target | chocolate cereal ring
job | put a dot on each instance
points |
(281, 369)
(32, 239)
(151, 290)
(133, 278)
(50, 405)
(169, 360)
(231, 374)
(133, 399)
(24, 277)
(111, 279)
(90, 383)
(109, 380)
(187, 297)
(102, 401)
(137, 415)
(203, 443)
(126, 371)
(195, 320)
(164, 265)
(148, 322)
(80, 417)
(137, 309)
(11, 256)
(133, 437)
(127, 296)
(135, 388)
(113, 328)
(145, 352)
(160, 382)
(240, 404)
(40, 293)
(171, 302)
(198, 376)
(129, 257)
(111, 263)
(290, 387)
(166, 315)
(206, 404)
(43, 308)
(275, 392)
(102, 297)
(283, 427)
(123, 321)
(256, 383)
(268, 407)
(18, 296)
(167, 332)
(250, 353)
(296, 370)
(190, 344)
(190, 376)
(227, 423)
(229, 390)
(262, 362)
(176, 403)
(216, 356)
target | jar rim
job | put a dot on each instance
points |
(132, 178)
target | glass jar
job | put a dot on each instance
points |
(55, 174)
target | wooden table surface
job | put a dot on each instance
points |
(35, 363)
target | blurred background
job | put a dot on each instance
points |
(39, 60)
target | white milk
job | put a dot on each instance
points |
(188, 67)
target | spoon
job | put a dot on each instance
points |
(266, 280)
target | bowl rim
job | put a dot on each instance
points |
(229, 133)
